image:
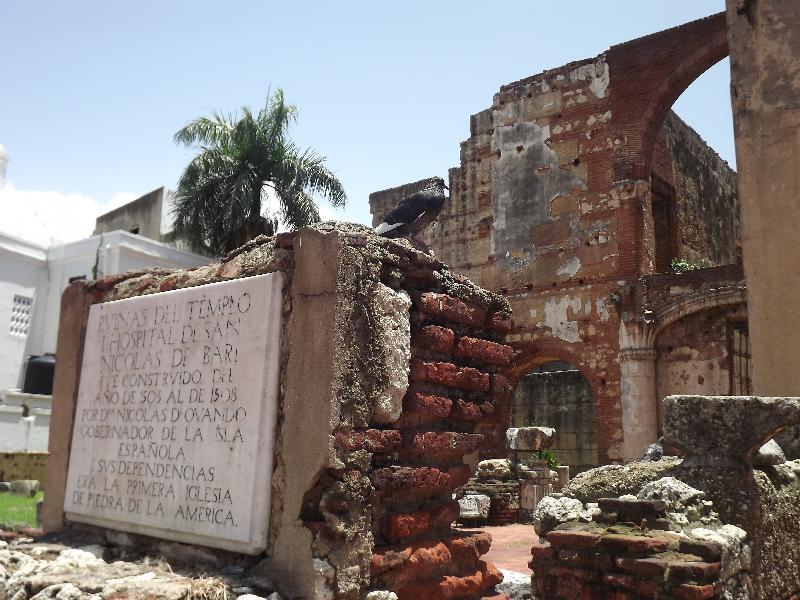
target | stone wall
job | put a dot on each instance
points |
(704, 188)
(765, 92)
(408, 379)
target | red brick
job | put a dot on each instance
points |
(653, 568)
(450, 375)
(168, 284)
(428, 404)
(583, 574)
(708, 551)
(382, 440)
(640, 586)
(693, 592)
(632, 545)
(485, 351)
(702, 571)
(500, 321)
(407, 525)
(469, 411)
(542, 551)
(405, 478)
(146, 283)
(451, 309)
(373, 440)
(441, 441)
(444, 513)
(574, 539)
(433, 337)
(499, 384)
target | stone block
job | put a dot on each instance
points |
(24, 487)
(494, 468)
(474, 506)
(529, 439)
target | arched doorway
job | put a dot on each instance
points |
(556, 394)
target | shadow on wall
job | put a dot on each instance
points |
(556, 394)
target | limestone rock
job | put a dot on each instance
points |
(516, 585)
(721, 430)
(769, 454)
(676, 494)
(551, 512)
(381, 595)
(529, 439)
(474, 506)
(494, 468)
(736, 553)
(394, 331)
(25, 487)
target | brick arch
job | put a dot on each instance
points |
(533, 354)
(698, 302)
(647, 77)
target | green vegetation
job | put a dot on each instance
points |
(16, 511)
(547, 455)
(682, 265)
(220, 198)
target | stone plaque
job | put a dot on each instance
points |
(176, 414)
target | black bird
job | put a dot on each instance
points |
(415, 212)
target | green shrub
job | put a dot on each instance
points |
(547, 455)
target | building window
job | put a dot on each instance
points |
(741, 368)
(20, 316)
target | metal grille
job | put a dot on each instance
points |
(20, 316)
(741, 365)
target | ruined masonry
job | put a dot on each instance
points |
(409, 365)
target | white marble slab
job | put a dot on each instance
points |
(176, 414)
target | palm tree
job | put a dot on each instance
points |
(220, 196)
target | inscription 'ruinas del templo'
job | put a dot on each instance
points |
(176, 414)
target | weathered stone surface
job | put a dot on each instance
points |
(552, 512)
(516, 585)
(677, 494)
(474, 506)
(769, 454)
(394, 334)
(381, 595)
(719, 430)
(494, 468)
(613, 481)
(24, 487)
(529, 439)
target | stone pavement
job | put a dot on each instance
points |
(511, 546)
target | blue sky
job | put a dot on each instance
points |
(92, 91)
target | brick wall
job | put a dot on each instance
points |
(552, 205)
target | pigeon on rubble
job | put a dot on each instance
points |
(414, 212)
(654, 452)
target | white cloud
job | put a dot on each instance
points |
(48, 217)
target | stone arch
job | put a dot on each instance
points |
(693, 303)
(647, 77)
(566, 399)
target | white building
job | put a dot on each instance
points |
(32, 279)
